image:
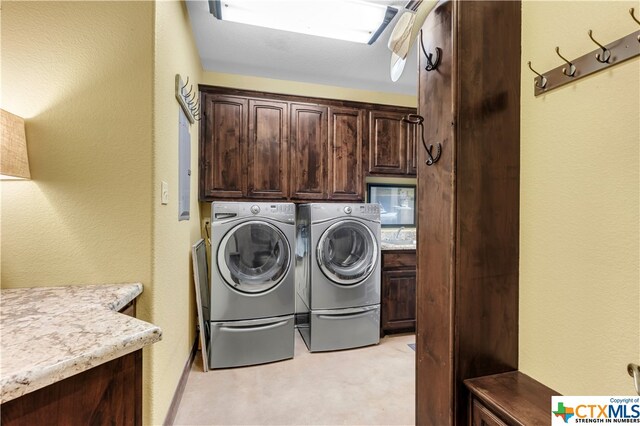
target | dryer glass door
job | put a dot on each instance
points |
(347, 252)
(254, 257)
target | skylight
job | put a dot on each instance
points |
(351, 20)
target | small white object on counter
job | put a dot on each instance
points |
(51, 333)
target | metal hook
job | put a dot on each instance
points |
(418, 119)
(633, 16)
(634, 371)
(189, 93)
(185, 85)
(432, 63)
(606, 53)
(543, 79)
(572, 68)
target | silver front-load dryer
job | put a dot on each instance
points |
(339, 275)
(252, 274)
(345, 246)
(252, 283)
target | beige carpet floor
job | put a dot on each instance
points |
(366, 386)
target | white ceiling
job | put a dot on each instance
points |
(229, 47)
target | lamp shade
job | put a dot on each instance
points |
(14, 162)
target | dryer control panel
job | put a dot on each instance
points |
(328, 211)
(283, 212)
(370, 209)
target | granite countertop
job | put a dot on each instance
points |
(51, 333)
(410, 245)
(398, 239)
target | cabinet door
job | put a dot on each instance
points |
(267, 150)
(482, 416)
(388, 144)
(345, 154)
(398, 300)
(308, 152)
(222, 157)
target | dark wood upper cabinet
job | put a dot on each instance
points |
(267, 150)
(346, 140)
(266, 146)
(468, 204)
(308, 152)
(387, 153)
(222, 156)
(392, 147)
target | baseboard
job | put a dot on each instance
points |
(182, 383)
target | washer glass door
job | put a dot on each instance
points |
(254, 257)
(347, 252)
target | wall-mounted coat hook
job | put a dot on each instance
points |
(188, 94)
(432, 63)
(606, 53)
(543, 80)
(597, 60)
(570, 71)
(633, 16)
(418, 119)
(634, 371)
(188, 101)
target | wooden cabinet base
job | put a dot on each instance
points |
(509, 398)
(110, 393)
(398, 310)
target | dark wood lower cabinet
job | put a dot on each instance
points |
(398, 304)
(109, 394)
(511, 398)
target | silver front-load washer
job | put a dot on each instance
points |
(338, 271)
(252, 283)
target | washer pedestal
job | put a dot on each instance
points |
(335, 329)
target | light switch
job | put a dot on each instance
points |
(164, 192)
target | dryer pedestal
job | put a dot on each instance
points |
(335, 329)
(259, 341)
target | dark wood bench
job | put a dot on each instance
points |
(509, 398)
